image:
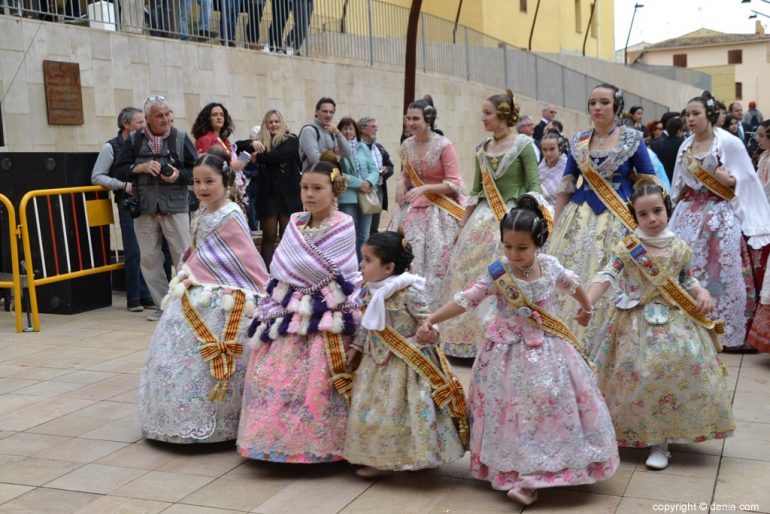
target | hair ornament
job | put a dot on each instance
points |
(710, 103)
(335, 174)
(504, 110)
(404, 242)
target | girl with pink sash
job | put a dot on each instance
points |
(291, 410)
(220, 276)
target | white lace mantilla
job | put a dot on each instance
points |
(518, 146)
(434, 147)
(606, 162)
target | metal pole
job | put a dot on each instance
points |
(457, 19)
(505, 64)
(467, 55)
(371, 35)
(588, 27)
(410, 61)
(625, 50)
(532, 30)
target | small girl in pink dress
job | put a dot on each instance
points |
(537, 416)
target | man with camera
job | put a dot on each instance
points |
(138, 297)
(158, 161)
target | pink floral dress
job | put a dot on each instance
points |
(537, 416)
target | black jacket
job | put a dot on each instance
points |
(388, 164)
(539, 129)
(666, 148)
(279, 169)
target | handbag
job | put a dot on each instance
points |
(369, 203)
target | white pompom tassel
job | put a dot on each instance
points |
(305, 309)
(248, 309)
(203, 298)
(164, 302)
(337, 323)
(274, 328)
(228, 302)
(304, 325)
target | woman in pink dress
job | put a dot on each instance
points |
(759, 335)
(428, 227)
(294, 409)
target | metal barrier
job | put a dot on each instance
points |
(15, 283)
(68, 230)
(371, 31)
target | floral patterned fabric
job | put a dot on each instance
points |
(291, 412)
(663, 382)
(172, 403)
(721, 261)
(759, 336)
(393, 422)
(430, 230)
(537, 416)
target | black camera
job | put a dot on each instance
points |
(131, 204)
(166, 170)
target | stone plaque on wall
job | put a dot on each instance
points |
(62, 93)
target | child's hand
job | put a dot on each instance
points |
(704, 301)
(430, 337)
(583, 317)
(425, 331)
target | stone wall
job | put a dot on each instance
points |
(119, 69)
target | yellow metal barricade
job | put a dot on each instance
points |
(69, 233)
(15, 282)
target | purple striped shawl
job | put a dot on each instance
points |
(308, 266)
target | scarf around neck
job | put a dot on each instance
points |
(660, 241)
(155, 142)
(374, 316)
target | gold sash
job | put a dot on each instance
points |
(635, 253)
(447, 390)
(219, 353)
(441, 201)
(693, 165)
(335, 357)
(516, 298)
(603, 189)
(495, 199)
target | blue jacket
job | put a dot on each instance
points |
(369, 172)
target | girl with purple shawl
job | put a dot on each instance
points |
(296, 387)
(190, 388)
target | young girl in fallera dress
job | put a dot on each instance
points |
(190, 388)
(294, 396)
(537, 416)
(658, 369)
(394, 421)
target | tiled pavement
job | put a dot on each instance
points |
(68, 443)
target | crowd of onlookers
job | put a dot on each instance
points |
(148, 165)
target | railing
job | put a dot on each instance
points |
(71, 235)
(15, 283)
(373, 31)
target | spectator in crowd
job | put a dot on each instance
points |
(736, 111)
(548, 114)
(302, 10)
(555, 127)
(752, 118)
(254, 9)
(212, 127)
(667, 147)
(130, 119)
(321, 135)
(636, 120)
(361, 174)
(368, 127)
(158, 161)
(185, 7)
(228, 15)
(526, 126)
(655, 129)
(275, 151)
(731, 125)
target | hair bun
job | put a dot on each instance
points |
(645, 180)
(529, 202)
(330, 157)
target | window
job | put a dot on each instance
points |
(523, 5)
(739, 90)
(594, 16)
(734, 56)
(578, 22)
(680, 60)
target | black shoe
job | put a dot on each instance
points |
(148, 303)
(134, 306)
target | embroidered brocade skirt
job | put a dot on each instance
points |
(172, 403)
(431, 232)
(538, 418)
(662, 383)
(477, 245)
(583, 242)
(393, 422)
(291, 412)
(720, 262)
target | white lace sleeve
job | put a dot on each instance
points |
(568, 184)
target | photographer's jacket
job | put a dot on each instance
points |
(154, 194)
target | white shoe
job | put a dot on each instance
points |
(154, 315)
(522, 495)
(659, 456)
